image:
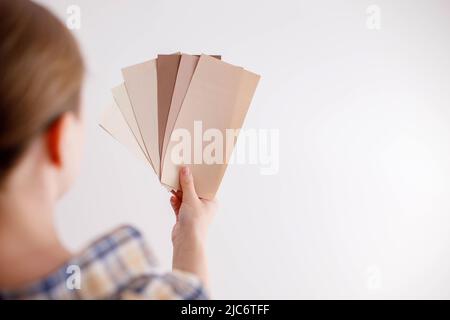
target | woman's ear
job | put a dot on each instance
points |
(54, 136)
(64, 140)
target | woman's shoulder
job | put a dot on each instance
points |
(120, 243)
(117, 265)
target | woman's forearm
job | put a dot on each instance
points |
(190, 256)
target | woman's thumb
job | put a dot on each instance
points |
(187, 185)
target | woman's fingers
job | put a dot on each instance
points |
(187, 185)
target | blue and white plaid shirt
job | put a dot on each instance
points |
(116, 266)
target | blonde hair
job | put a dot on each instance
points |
(41, 74)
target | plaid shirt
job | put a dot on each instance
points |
(116, 266)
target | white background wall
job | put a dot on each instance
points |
(360, 206)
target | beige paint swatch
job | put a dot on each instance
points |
(142, 88)
(123, 102)
(113, 122)
(219, 95)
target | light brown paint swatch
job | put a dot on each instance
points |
(219, 95)
(186, 69)
(141, 84)
(167, 69)
(123, 102)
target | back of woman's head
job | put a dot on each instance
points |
(41, 73)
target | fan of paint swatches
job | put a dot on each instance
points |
(166, 107)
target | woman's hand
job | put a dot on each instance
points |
(189, 235)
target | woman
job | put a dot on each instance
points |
(41, 129)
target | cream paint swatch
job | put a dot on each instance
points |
(219, 95)
(123, 102)
(141, 85)
(113, 122)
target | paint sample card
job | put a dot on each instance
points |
(167, 69)
(123, 102)
(215, 101)
(179, 109)
(113, 122)
(186, 69)
(142, 88)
